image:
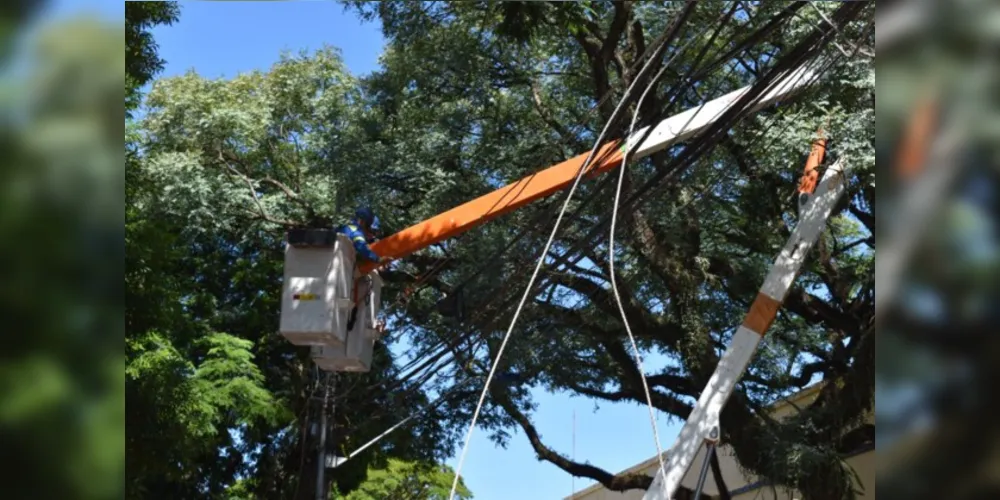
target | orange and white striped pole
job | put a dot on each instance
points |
(810, 176)
(702, 425)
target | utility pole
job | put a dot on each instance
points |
(329, 386)
(321, 448)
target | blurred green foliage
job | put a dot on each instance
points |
(62, 395)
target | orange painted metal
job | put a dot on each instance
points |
(810, 177)
(761, 314)
(914, 148)
(490, 206)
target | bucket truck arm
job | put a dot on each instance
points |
(668, 132)
(702, 425)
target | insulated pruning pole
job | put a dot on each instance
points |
(702, 426)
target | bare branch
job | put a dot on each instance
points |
(253, 194)
(618, 482)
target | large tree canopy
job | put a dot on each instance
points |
(470, 96)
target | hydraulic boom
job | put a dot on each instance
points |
(668, 132)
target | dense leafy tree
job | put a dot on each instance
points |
(214, 387)
(142, 62)
(505, 103)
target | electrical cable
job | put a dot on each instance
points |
(532, 228)
(611, 251)
(708, 138)
(541, 261)
(772, 124)
(744, 44)
(440, 399)
(718, 60)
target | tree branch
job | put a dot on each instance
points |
(253, 194)
(614, 482)
(623, 11)
(866, 218)
(544, 113)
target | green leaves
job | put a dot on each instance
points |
(141, 59)
(466, 100)
(406, 479)
(229, 378)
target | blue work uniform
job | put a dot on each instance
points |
(359, 239)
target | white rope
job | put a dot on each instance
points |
(611, 253)
(534, 275)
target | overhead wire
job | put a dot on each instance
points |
(436, 402)
(611, 251)
(806, 49)
(618, 298)
(530, 228)
(440, 399)
(815, 76)
(533, 227)
(718, 61)
(675, 26)
(689, 78)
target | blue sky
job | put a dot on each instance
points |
(221, 39)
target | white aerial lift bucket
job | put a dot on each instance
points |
(355, 354)
(318, 297)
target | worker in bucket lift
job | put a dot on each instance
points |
(362, 231)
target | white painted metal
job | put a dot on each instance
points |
(686, 124)
(732, 364)
(372, 307)
(355, 355)
(705, 415)
(812, 221)
(321, 278)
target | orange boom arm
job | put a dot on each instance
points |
(492, 205)
(677, 128)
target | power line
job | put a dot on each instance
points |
(541, 261)
(718, 61)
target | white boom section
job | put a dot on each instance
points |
(705, 416)
(686, 124)
(921, 201)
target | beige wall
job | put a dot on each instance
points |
(863, 465)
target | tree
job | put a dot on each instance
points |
(142, 62)
(410, 481)
(694, 253)
(219, 166)
(62, 406)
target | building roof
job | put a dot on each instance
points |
(802, 397)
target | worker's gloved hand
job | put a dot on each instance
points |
(384, 260)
